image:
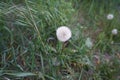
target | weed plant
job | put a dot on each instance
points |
(30, 50)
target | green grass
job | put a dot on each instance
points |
(29, 49)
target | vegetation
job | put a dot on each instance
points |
(30, 50)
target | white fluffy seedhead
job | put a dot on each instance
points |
(110, 16)
(63, 33)
(114, 31)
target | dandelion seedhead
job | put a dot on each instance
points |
(63, 33)
(110, 16)
(114, 31)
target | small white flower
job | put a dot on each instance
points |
(114, 31)
(63, 33)
(110, 16)
(89, 43)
